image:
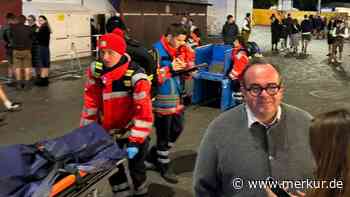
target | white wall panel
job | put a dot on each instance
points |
(221, 8)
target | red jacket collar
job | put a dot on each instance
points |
(118, 70)
(171, 50)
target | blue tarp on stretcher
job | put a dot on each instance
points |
(30, 170)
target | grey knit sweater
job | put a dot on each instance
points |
(230, 151)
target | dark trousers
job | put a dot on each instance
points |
(235, 85)
(168, 130)
(136, 168)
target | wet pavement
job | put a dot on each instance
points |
(311, 84)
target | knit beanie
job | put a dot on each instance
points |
(113, 41)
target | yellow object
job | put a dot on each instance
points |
(60, 17)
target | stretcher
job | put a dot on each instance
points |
(76, 164)
(85, 184)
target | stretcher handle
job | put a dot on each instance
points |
(65, 183)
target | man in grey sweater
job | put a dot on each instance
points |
(259, 139)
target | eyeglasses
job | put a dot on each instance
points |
(271, 89)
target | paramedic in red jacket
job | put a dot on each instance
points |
(117, 95)
(240, 59)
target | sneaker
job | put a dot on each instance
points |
(14, 107)
(168, 174)
(142, 190)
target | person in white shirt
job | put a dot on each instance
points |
(340, 33)
(247, 27)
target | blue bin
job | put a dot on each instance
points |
(213, 54)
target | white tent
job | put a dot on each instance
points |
(70, 24)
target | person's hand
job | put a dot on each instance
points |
(132, 152)
(271, 194)
(178, 64)
(194, 73)
(233, 75)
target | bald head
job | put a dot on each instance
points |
(259, 70)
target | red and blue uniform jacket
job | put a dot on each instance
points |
(169, 85)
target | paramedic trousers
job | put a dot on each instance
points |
(168, 130)
(119, 181)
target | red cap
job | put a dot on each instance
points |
(112, 41)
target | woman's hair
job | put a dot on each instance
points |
(46, 22)
(176, 29)
(330, 145)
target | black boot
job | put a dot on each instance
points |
(27, 85)
(167, 172)
(38, 81)
(46, 81)
(42, 81)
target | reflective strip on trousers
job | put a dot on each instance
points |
(108, 96)
(171, 145)
(163, 153)
(136, 133)
(143, 124)
(137, 77)
(120, 187)
(127, 193)
(86, 122)
(164, 161)
(90, 111)
(139, 96)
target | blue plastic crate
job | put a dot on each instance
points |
(213, 54)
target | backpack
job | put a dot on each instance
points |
(147, 59)
(6, 36)
(140, 58)
(253, 49)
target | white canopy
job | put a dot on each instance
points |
(89, 6)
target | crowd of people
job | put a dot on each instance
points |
(230, 30)
(263, 137)
(27, 48)
(318, 27)
(27, 42)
